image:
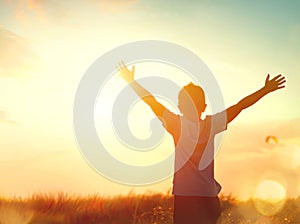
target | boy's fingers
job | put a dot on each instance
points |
(120, 65)
(279, 83)
(268, 77)
(276, 77)
(281, 79)
(123, 64)
(119, 68)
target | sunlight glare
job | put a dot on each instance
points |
(269, 197)
(12, 215)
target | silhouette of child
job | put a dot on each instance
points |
(195, 189)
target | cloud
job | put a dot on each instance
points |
(279, 163)
(245, 159)
(27, 12)
(4, 119)
(45, 11)
(16, 56)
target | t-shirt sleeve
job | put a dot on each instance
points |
(170, 121)
(218, 122)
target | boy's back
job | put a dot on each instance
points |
(194, 153)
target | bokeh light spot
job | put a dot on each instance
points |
(269, 197)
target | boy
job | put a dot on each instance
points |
(195, 189)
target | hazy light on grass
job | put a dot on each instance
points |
(269, 197)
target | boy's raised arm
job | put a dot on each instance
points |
(270, 86)
(144, 94)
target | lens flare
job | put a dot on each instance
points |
(269, 197)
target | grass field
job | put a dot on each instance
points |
(135, 209)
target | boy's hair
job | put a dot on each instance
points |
(191, 97)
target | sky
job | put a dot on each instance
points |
(46, 46)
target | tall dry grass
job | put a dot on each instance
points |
(130, 209)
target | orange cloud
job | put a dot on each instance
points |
(245, 158)
(26, 11)
(35, 7)
(24, 8)
(16, 56)
(41, 10)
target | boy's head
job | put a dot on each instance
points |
(191, 101)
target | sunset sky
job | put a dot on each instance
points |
(46, 46)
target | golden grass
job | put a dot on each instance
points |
(130, 209)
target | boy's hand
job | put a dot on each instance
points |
(125, 73)
(275, 83)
